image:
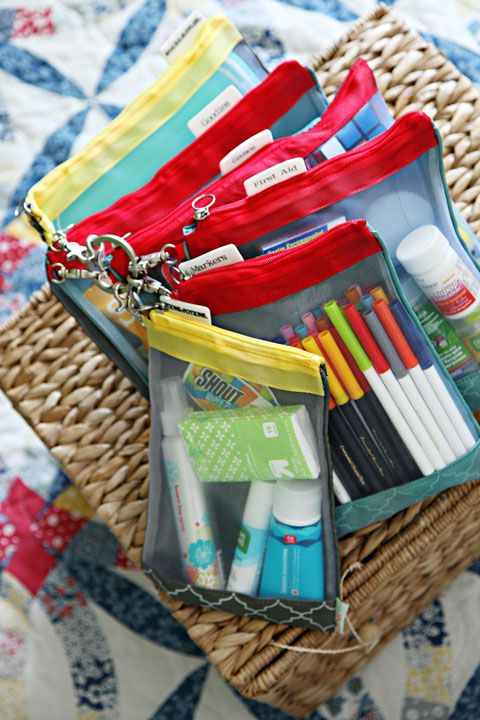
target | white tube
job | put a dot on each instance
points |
(416, 426)
(444, 450)
(448, 403)
(421, 380)
(340, 492)
(248, 559)
(398, 421)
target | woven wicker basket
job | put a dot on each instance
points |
(97, 427)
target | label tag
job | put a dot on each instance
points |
(341, 611)
(245, 150)
(199, 312)
(215, 109)
(181, 39)
(225, 255)
(274, 175)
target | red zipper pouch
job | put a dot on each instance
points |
(258, 296)
(395, 181)
(285, 102)
(356, 114)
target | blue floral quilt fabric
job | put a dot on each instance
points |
(83, 634)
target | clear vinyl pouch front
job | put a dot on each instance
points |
(240, 508)
(286, 100)
(399, 431)
(357, 113)
(397, 183)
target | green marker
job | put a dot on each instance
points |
(341, 323)
(384, 387)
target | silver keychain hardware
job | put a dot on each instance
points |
(202, 211)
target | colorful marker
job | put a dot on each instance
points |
(361, 443)
(353, 294)
(324, 323)
(379, 388)
(399, 370)
(425, 375)
(287, 332)
(378, 293)
(364, 420)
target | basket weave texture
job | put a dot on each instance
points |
(97, 427)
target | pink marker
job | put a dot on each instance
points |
(287, 332)
(309, 320)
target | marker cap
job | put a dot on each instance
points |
(366, 338)
(353, 294)
(348, 336)
(395, 334)
(340, 364)
(323, 323)
(301, 330)
(334, 384)
(297, 502)
(309, 320)
(384, 343)
(287, 331)
(378, 293)
(412, 334)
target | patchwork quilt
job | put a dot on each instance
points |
(83, 635)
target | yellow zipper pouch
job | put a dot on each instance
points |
(150, 131)
(240, 510)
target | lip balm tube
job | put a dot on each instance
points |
(248, 559)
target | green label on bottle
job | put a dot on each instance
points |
(443, 337)
(243, 541)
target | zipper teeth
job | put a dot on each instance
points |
(306, 179)
(345, 89)
(274, 258)
(275, 97)
(277, 197)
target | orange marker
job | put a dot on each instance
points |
(341, 366)
(353, 294)
(394, 333)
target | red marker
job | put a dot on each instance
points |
(366, 338)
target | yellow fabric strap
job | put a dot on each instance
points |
(215, 40)
(257, 361)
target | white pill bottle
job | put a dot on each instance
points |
(453, 288)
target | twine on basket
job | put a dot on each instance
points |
(366, 645)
